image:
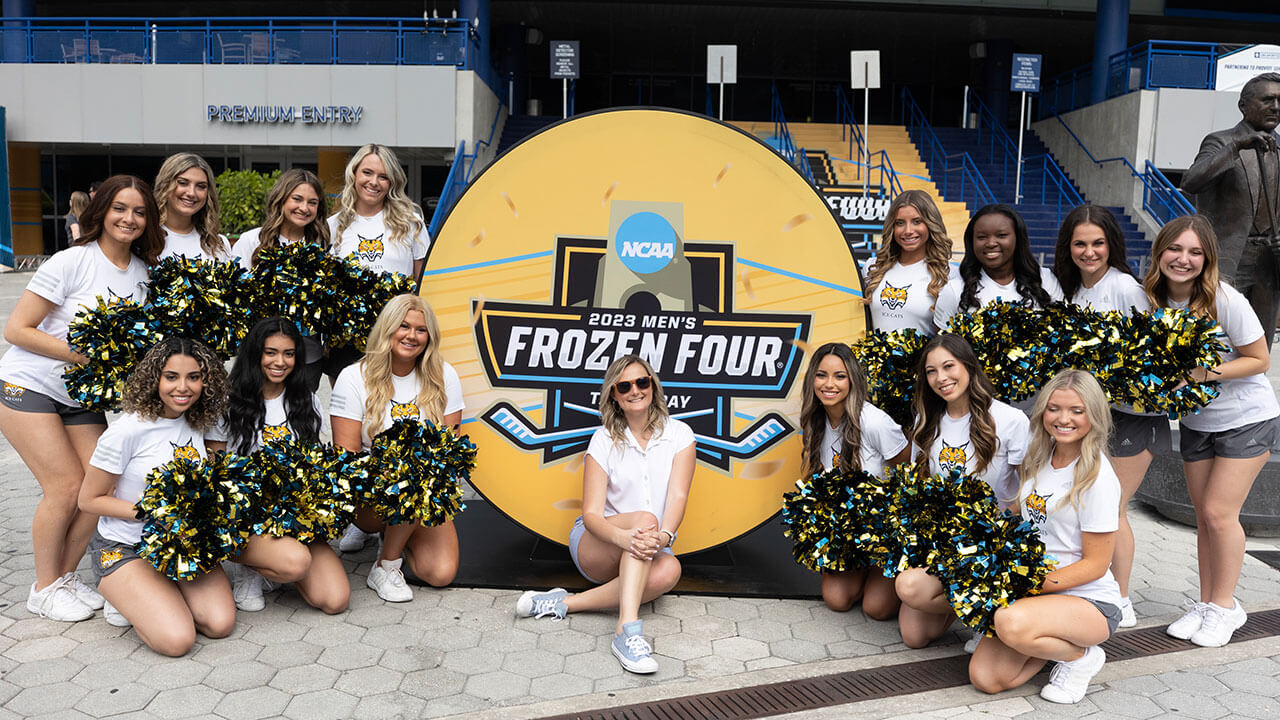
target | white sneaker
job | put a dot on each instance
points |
(1219, 624)
(972, 644)
(84, 592)
(58, 602)
(1128, 618)
(246, 587)
(1187, 625)
(386, 579)
(113, 616)
(1069, 681)
(353, 539)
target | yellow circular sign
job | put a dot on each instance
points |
(644, 231)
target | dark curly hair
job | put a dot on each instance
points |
(141, 390)
(1026, 271)
(246, 410)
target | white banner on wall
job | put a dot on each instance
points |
(1239, 67)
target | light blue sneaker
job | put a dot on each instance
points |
(633, 651)
(540, 604)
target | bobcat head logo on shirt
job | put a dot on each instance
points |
(1037, 507)
(185, 452)
(369, 249)
(403, 411)
(275, 432)
(893, 297)
(952, 457)
(13, 391)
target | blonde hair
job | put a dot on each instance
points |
(376, 365)
(611, 415)
(79, 201)
(206, 220)
(401, 215)
(1204, 291)
(1040, 449)
(937, 249)
(316, 231)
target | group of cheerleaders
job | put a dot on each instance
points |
(1071, 469)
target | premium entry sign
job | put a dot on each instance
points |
(696, 247)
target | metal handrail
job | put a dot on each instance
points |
(1160, 198)
(1067, 193)
(143, 34)
(971, 187)
(996, 136)
(786, 147)
(849, 124)
(1063, 196)
(451, 190)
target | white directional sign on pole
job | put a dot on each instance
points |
(565, 65)
(722, 68)
(864, 72)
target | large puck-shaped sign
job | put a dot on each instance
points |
(666, 234)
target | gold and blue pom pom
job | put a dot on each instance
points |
(838, 521)
(305, 489)
(204, 300)
(419, 469)
(1009, 341)
(930, 510)
(114, 336)
(295, 282)
(889, 361)
(363, 293)
(194, 514)
(996, 560)
(1162, 347)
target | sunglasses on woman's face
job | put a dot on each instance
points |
(624, 386)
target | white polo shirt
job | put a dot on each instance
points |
(638, 477)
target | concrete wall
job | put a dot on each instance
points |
(1120, 127)
(477, 105)
(406, 106)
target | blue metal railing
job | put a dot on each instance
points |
(888, 180)
(241, 40)
(1160, 199)
(782, 136)
(1001, 149)
(1054, 187)
(849, 127)
(956, 175)
(1145, 66)
(452, 190)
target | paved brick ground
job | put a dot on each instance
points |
(460, 650)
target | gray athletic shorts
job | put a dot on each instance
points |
(21, 399)
(1247, 441)
(1131, 434)
(107, 556)
(1110, 612)
(575, 537)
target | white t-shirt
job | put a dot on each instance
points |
(369, 239)
(71, 279)
(247, 243)
(188, 245)
(881, 439)
(349, 395)
(275, 424)
(1043, 502)
(1115, 290)
(902, 298)
(1242, 401)
(638, 478)
(132, 447)
(988, 291)
(953, 449)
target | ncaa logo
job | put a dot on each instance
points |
(646, 243)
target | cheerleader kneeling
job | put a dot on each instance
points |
(1071, 494)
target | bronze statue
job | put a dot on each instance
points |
(1236, 181)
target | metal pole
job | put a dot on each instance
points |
(1022, 118)
(964, 113)
(564, 83)
(866, 126)
(722, 88)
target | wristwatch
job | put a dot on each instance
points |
(672, 534)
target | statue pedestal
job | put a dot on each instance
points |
(1165, 489)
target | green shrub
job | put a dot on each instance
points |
(243, 195)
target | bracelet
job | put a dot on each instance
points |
(672, 536)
